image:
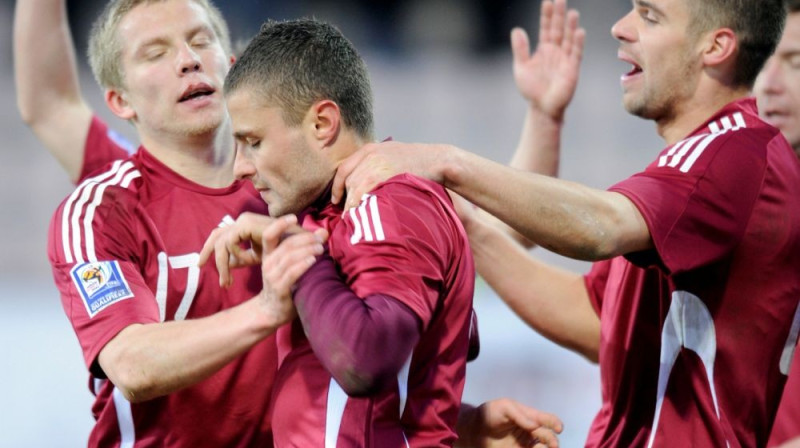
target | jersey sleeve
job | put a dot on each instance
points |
(595, 281)
(397, 242)
(93, 256)
(696, 213)
(103, 146)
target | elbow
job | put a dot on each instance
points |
(589, 246)
(592, 354)
(27, 113)
(125, 370)
(136, 388)
(134, 384)
(360, 382)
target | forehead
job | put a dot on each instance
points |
(790, 41)
(670, 8)
(157, 20)
(250, 110)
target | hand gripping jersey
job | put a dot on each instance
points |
(693, 333)
(403, 241)
(124, 249)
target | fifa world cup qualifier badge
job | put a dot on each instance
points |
(100, 284)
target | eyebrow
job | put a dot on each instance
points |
(161, 40)
(242, 135)
(647, 4)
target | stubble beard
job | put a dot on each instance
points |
(200, 126)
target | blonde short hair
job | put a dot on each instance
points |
(105, 50)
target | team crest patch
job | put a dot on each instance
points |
(100, 284)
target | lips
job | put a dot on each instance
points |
(635, 69)
(196, 91)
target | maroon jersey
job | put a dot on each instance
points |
(403, 241)
(787, 421)
(693, 332)
(124, 249)
(103, 146)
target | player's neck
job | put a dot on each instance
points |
(346, 144)
(693, 113)
(203, 159)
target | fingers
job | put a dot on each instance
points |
(545, 16)
(520, 46)
(557, 22)
(577, 46)
(528, 418)
(545, 438)
(208, 247)
(285, 261)
(272, 234)
(569, 31)
(226, 245)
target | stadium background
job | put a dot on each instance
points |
(441, 72)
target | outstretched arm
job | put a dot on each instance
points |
(566, 217)
(46, 74)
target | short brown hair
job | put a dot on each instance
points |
(758, 25)
(298, 62)
(104, 45)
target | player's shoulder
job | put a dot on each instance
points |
(730, 138)
(409, 185)
(115, 186)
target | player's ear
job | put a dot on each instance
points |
(119, 105)
(719, 49)
(324, 122)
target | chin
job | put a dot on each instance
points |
(202, 126)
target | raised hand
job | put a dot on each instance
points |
(548, 77)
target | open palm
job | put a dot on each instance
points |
(548, 77)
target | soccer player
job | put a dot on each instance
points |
(173, 359)
(777, 91)
(377, 356)
(184, 170)
(696, 284)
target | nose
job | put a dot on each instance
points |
(188, 60)
(243, 167)
(770, 80)
(623, 30)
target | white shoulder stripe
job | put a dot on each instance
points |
(739, 119)
(686, 152)
(367, 225)
(66, 213)
(698, 151)
(356, 236)
(376, 218)
(678, 152)
(725, 123)
(120, 178)
(92, 195)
